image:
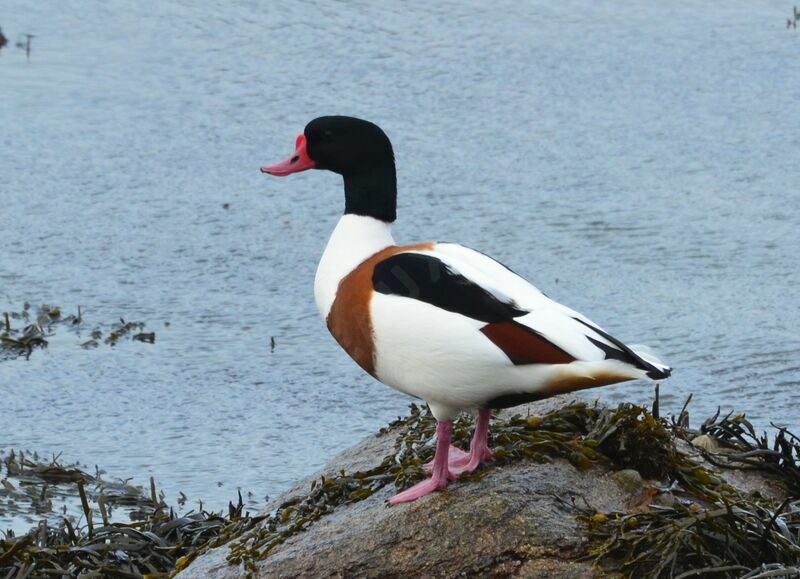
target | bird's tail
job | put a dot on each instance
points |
(657, 370)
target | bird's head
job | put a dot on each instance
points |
(344, 145)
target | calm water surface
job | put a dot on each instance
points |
(638, 165)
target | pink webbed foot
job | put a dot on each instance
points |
(440, 472)
(418, 490)
(479, 447)
(445, 467)
(456, 458)
(475, 458)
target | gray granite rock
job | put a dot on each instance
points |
(509, 523)
(513, 522)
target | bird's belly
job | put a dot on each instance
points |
(437, 355)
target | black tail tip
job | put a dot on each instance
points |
(660, 374)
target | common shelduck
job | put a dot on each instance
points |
(440, 321)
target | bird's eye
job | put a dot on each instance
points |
(327, 134)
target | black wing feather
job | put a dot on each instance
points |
(428, 279)
(625, 354)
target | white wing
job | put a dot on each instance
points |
(564, 327)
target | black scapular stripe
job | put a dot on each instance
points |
(428, 279)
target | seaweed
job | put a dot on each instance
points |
(709, 528)
(23, 341)
(151, 544)
(584, 434)
(36, 329)
(686, 521)
(743, 449)
(730, 538)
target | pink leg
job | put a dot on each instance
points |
(455, 457)
(478, 448)
(441, 471)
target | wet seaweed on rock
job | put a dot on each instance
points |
(741, 448)
(681, 505)
(579, 432)
(707, 527)
(631, 437)
(685, 521)
(734, 537)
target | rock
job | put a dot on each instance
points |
(705, 442)
(511, 519)
(628, 479)
(746, 481)
(514, 521)
(518, 519)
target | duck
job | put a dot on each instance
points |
(440, 321)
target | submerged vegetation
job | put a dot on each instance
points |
(87, 542)
(23, 331)
(684, 519)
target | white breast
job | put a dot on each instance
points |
(354, 239)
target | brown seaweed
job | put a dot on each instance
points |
(706, 528)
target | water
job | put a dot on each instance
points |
(639, 165)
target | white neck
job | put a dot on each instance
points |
(354, 239)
